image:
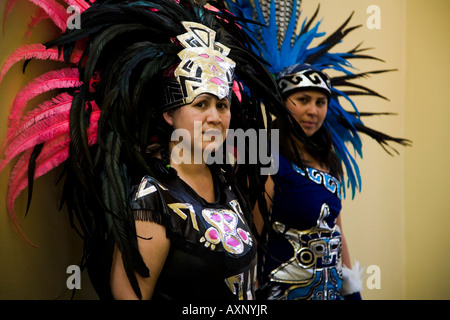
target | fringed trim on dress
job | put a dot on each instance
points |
(147, 216)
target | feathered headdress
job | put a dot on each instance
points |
(106, 113)
(272, 25)
(48, 122)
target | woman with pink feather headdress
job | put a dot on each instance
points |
(132, 75)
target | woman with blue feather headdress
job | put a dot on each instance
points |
(305, 253)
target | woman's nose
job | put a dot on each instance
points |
(213, 114)
(312, 108)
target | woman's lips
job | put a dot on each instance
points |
(308, 124)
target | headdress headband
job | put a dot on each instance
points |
(303, 76)
(204, 68)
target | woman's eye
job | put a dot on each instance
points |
(302, 100)
(200, 104)
(222, 106)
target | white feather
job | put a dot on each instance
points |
(352, 279)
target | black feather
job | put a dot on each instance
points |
(383, 139)
(332, 40)
(31, 169)
(311, 20)
(118, 216)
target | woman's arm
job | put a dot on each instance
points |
(153, 249)
(345, 252)
(257, 218)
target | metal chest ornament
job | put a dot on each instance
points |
(315, 268)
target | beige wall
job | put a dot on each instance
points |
(427, 177)
(398, 222)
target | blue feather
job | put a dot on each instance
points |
(296, 49)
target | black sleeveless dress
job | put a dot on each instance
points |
(213, 253)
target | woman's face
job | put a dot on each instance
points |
(309, 108)
(206, 120)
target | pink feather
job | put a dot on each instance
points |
(52, 155)
(49, 122)
(35, 51)
(18, 170)
(56, 105)
(81, 4)
(39, 133)
(64, 78)
(19, 177)
(56, 12)
(56, 151)
(237, 90)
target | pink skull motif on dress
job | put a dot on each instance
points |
(224, 229)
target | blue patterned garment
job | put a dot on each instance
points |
(304, 260)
